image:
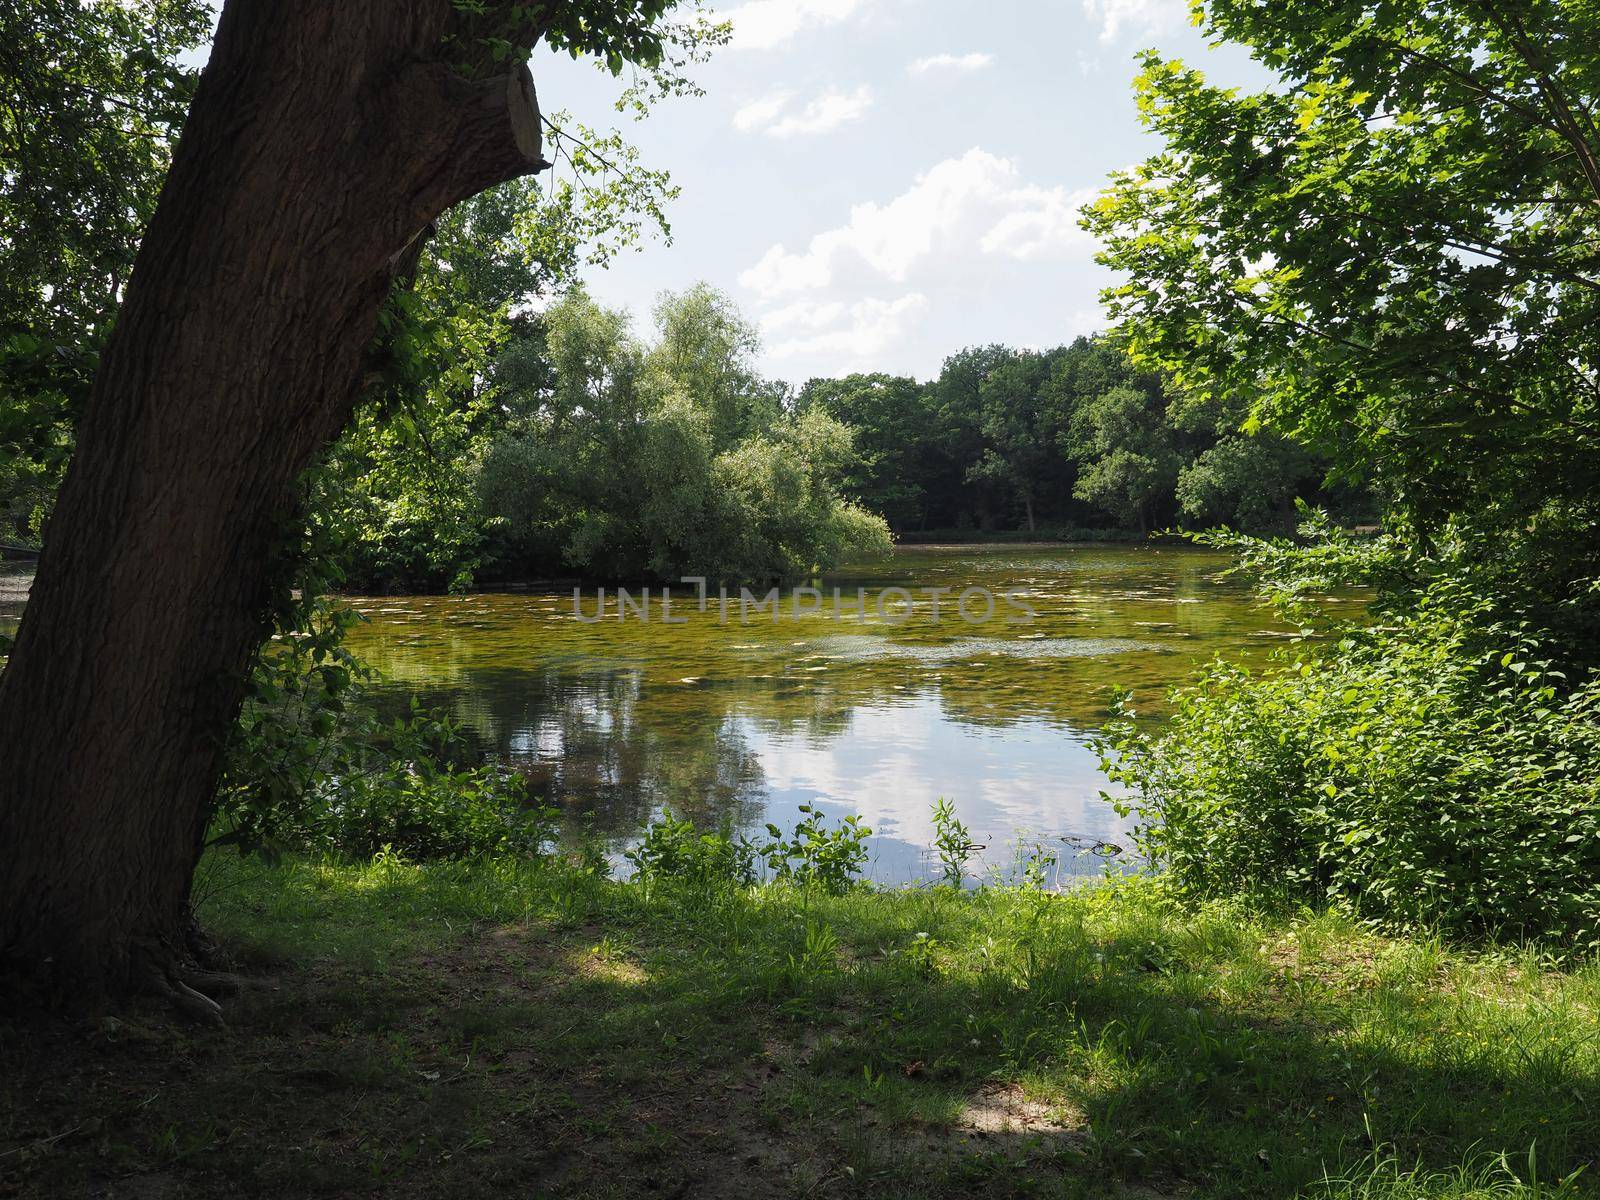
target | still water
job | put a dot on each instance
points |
(738, 720)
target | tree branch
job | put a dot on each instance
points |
(1566, 121)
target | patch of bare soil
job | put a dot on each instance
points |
(1003, 1108)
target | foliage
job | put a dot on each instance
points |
(86, 121)
(703, 352)
(1294, 574)
(815, 854)
(90, 100)
(43, 387)
(952, 842)
(675, 460)
(396, 492)
(463, 349)
(1038, 868)
(1388, 257)
(463, 358)
(1130, 460)
(1243, 482)
(1019, 416)
(417, 806)
(617, 35)
(673, 849)
(891, 474)
(310, 766)
(1389, 252)
(1076, 436)
(1437, 770)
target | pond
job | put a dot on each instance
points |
(850, 696)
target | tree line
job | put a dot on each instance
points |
(532, 434)
(1073, 439)
(584, 451)
(569, 447)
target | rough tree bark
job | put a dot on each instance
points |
(323, 140)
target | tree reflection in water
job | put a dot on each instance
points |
(735, 724)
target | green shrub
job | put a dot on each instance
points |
(420, 809)
(817, 855)
(672, 848)
(311, 767)
(952, 842)
(1436, 771)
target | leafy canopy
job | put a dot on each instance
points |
(1394, 255)
(674, 459)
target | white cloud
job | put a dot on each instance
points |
(762, 112)
(955, 64)
(765, 24)
(1047, 222)
(1138, 17)
(803, 315)
(973, 205)
(772, 114)
(850, 332)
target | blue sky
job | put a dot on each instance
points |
(881, 182)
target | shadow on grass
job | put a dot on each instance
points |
(433, 1032)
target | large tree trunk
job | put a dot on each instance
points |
(323, 140)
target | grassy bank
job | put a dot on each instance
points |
(530, 1029)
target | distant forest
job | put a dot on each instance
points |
(1074, 439)
(565, 445)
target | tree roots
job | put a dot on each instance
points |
(165, 981)
(183, 978)
(214, 984)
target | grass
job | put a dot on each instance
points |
(531, 1029)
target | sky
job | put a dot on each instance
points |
(879, 183)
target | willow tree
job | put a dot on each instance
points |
(322, 142)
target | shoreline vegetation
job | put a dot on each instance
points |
(1365, 962)
(653, 458)
(935, 539)
(940, 540)
(529, 1026)
(932, 541)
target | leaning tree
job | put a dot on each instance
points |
(322, 142)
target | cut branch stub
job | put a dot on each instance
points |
(522, 102)
(457, 136)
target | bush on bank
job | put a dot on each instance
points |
(1438, 770)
